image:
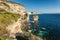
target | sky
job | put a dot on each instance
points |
(44, 6)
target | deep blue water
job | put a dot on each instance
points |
(51, 21)
(52, 24)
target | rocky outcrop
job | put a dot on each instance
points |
(12, 7)
(27, 36)
(19, 25)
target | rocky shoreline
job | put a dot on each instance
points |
(14, 31)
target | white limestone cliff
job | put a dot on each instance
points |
(12, 7)
(17, 26)
(15, 8)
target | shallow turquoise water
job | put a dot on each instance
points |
(51, 23)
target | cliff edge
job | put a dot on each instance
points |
(12, 22)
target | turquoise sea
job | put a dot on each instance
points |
(51, 23)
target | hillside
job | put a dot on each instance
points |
(12, 20)
(7, 18)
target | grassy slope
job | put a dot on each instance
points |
(7, 18)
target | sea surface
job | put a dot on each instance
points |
(51, 22)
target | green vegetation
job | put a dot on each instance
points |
(2, 38)
(7, 18)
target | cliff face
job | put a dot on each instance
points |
(12, 7)
(12, 20)
(10, 13)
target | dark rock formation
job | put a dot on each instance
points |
(27, 36)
